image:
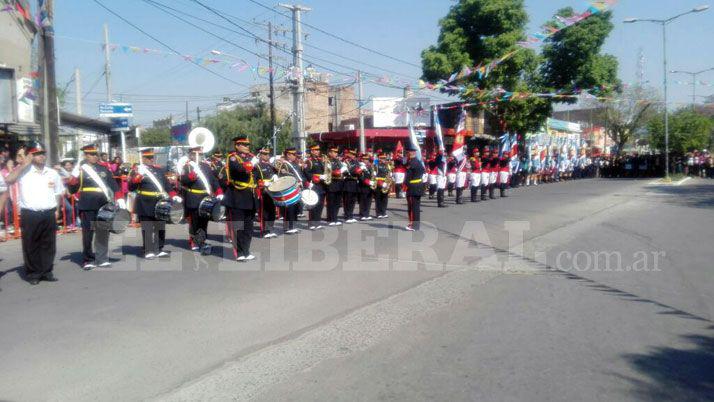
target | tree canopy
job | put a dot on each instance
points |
(688, 131)
(476, 31)
(252, 121)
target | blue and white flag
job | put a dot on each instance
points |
(412, 136)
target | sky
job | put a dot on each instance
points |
(160, 84)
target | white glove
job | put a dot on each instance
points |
(385, 185)
(142, 170)
(343, 169)
(369, 183)
(121, 203)
(323, 177)
(177, 199)
(255, 160)
(275, 177)
(220, 197)
(310, 185)
(75, 171)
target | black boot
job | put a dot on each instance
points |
(490, 192)
(474, 194)
(483, 193)
(503, 192)
(459, 192)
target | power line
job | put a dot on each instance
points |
(165, 45)
(338, 37)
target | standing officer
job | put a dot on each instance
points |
(217, 163)
(41, 191)
(399, 170)
(150, 183)
(265, 174)
(381, 193)
(315, 172)
(335, 189)
(365, 188)
(440, 179)
(415, 188)
(240, 198)
(350, 185)
(198, 182)
(95, 186)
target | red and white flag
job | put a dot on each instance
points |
(459, 149)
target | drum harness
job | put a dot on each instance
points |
(238, 185)
(87, 168)
(201, 177)
(148, 173)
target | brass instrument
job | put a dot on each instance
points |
(389, 180)
(373, 178)
(328, 169)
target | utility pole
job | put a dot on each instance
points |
(107, 64)
(299, 89)
(360, 88)
(187, 111)
(271, 78)
(50, 109)
(198, 114)
(78, 97)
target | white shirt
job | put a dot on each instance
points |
(3, 185)
(39, 189)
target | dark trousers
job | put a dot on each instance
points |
(39, 241)
(334, 199)
(101, 238)
(153, 234)
(365, 203)
(432, 190)
(474, 194)
(414, 211)
(381, 200)
(266, 214)
(440, 196)
(398, 190)
(240, 226)
(315, 214)
(197, 228)
(290, 215)
(350, 201)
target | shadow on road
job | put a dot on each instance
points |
(699, 195)
(676, 373)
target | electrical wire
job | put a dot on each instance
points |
(165, 45)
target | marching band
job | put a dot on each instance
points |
(239, 187)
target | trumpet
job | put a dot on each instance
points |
(388, 180)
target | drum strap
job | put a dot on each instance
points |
(88, 169)
(202, 177)
(148, 173)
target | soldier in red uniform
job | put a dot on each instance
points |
(485, 172)
(475, 165)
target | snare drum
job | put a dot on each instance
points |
(112, 218)
(309, 198)
(212, 208)
(169, 212)
(284, 191)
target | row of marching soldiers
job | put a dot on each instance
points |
(481, 172)
(245, 184)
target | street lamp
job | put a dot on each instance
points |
(694, 75)
(664, 23)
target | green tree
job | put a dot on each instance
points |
(252, 121)
(688, 131)
(476, 31)
(156, 137)
(628, 114)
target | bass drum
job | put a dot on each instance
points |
(169, 212)
(112, 218)
(284, 191)
(212, 208)
(309, 198)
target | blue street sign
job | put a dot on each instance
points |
(120, 124)
(116, 110)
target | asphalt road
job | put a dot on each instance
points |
(589, 290)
